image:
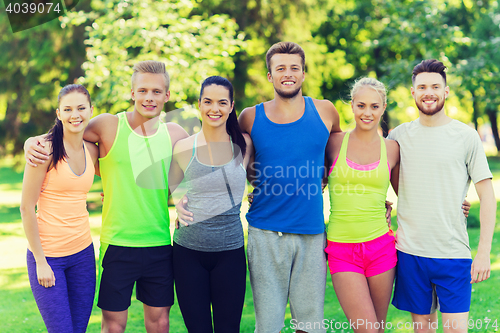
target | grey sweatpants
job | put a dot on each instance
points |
(287, 267)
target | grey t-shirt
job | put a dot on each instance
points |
(437, 165)
(214, 197)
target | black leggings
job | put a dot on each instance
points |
(210, 278)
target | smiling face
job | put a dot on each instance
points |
(149, 92)
(367, 106)
(215, 105)
(74, 112)
(430, 92)
(286, 74)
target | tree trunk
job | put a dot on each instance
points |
(386, 118)
(475, 109)
(492, 115)
(240, 80)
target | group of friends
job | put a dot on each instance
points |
(286, 148)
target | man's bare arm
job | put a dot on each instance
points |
(481, 266)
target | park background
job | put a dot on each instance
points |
(98, 41)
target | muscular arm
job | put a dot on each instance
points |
(245, 120)
(480, 269)
(328, 114)
(95, 127)
(175, 173)
(35, 152)
(249, 155)
(94, 152)
(395, 178)
(332, 151)
(393, 158)
(101, 129)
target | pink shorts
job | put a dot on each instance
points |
(368, 258)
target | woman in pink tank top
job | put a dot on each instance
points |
(361, 248)
(60, 256)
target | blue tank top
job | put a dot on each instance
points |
(289, 166)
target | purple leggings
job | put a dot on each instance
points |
(66, 307)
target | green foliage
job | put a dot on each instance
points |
(35, 64)
(343, 40)
(125, 32)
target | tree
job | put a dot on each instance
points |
(478, 60)
(125, 32)
(35, 64)
(264, 23)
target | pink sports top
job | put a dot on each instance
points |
(63, 219)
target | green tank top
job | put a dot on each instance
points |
(357, 199)
(135, 183)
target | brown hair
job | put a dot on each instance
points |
(232, 126)
(153, 67)
(55, 134)
(285, 48)
(429, 66)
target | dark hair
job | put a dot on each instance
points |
(429, 66)
(285, 48)
(55, 134)
(232, 126)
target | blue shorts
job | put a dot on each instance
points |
(426, 284)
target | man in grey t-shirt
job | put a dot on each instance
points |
(439, 158)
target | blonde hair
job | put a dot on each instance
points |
(372, 83)
(153, 67)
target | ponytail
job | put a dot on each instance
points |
(55, 136)
(234, 131)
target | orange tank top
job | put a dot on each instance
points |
(63, 219)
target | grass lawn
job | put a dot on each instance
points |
(18, 311)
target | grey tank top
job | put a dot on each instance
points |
(214, 197)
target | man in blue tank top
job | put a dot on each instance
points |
(286, 237)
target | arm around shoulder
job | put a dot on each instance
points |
(34, 150)
(182, 153)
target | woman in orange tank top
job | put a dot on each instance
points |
(60, 256)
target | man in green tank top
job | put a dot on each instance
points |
(135, 151)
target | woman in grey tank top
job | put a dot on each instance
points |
(208, 253)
